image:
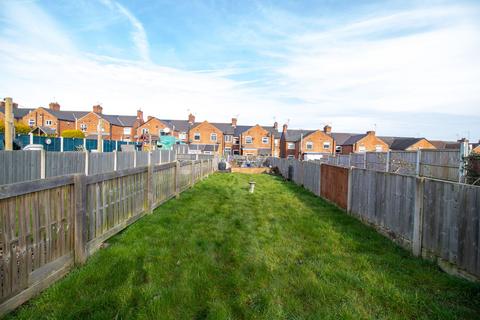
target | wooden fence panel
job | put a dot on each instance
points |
(63, 163)
(36, 229)
(125, 160)
(440, 164)
(142, 158)
(357, 160)
(18, 166)
(100, 162)
(451, 223)
(384, 199)
(403, 162)
(163, 183)
(185, 174)
(377, 161)
(334, 184)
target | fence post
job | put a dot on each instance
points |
(43, 164)
(192, 173)
(177, 179)
(365, 160)
(61, 144)
(116, 145)
(418, 217)
(134, 158)
(9, 124)
(80, 226)
(463, 155)
(349, 159)
(418, 163)
(85, 144)
(349, 190)
(31, 138)
(387, 165)
(201, 169)
(150, 185)
(115, 160)
(86, 163)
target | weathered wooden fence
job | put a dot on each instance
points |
(436, 219)
(19, 166)
(48, 225)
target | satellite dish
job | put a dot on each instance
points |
(48, 141)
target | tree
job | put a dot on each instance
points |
(73, 134)
(20, 127)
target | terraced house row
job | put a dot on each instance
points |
(218, 138)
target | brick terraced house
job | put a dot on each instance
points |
(407, 144)
(367, 142)
(306, 144)
(18, 113)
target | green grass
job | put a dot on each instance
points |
(280, 253)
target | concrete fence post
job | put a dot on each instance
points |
(134, 159)
(115, 160)
(418, 163)
(31, 138)
(201, 169)
(150, 194)
(80, 225)
(192, 173)
(418, 217)
(43, 164)
(177, 179)
(387, 164)
(349, 190)
(87, 164)
(9, 124)
(61, 144)
(365, 160)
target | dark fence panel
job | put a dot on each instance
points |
(334, 184)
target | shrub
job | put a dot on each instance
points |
(20, 127)
(73, 134)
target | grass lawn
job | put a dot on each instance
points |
(280, 253)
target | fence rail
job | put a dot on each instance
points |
(48, 225)
(435, 219)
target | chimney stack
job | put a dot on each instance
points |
(371, 133)
(285, 127)
(327, 129)
(97, 109)
(191, 118)
(234, 122)
(275, 125)
(140, 115)
(54, 106)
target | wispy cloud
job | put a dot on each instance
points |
(139, 36)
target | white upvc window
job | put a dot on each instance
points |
(207, 152)
(196, 136)
(235, 140)
(48, 122)
(182, 136)
(83, 127)
(362, 149)
(126, 130)
(290, 157)
(338, 149)
(309, 145)
(213, 137)
(248, 140)
(145, 131)
(326, 145)
(228, 138)
(228, 149)
(265, 140)
(31, 122)
(291, 146)
(378, 148)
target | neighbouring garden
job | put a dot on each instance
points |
(219, 252)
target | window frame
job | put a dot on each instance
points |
(309, 145)
(247, 139)
(289, 146)
(213, 134)
(326, 145)
(83, 127)
(48, 122)
(228, 138)
(31, 122)
(195, 135)
(267, 139)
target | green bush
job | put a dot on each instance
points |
(20, 127)
(73, 134)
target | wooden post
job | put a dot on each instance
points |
(80, 223)
(349, 190)
(150, 187)
(192, 173)
(9, 126)
(418, 217)
(100, 135)
(43, 164)
(201, 169)
(177, 179)
(418, 170)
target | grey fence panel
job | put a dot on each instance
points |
(311, 176)
(142, 158)
(155, 157)
(100, 162)
(357, 160)
(377, 161)
(403, 162)
(343, 160)
(384, 199)
(125, 160)
(440, 164)
(451, 223)
(298, 172)
(166, 156)
(63, 163)
(18, 166)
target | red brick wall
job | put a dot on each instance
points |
(257, 133)
(206, 129)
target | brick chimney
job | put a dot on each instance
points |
(234, 122)
(327, 129)
(285, 127)
(97, 109)
(191, 118)
(54, 106)
(140, 115)
(275, 125)
(371, 133)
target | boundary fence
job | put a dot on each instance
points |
(436, 219)
(49, 225)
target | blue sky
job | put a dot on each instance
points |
(403, 67)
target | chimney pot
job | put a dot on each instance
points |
(234, 122)
(285, 127)
(54, 106)
(191, 118)
(97, 109)
(140, 115)
(371, 132)
(275, 125)
(327, 129)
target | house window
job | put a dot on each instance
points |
(235, 140)
(309, 145)
(338, 149)
(248, 140)
(228, 138)
(144, 130)
(291, 157)
(265, 140)
(207, 152)
(31, 122)
(83, 127)
(378, 148)
(213, 137)
(182, 136)
(228, 150)
(196, 136)
(291, 146)
(326, 145)
(48, 122)
(362, 149)
(126, 130)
